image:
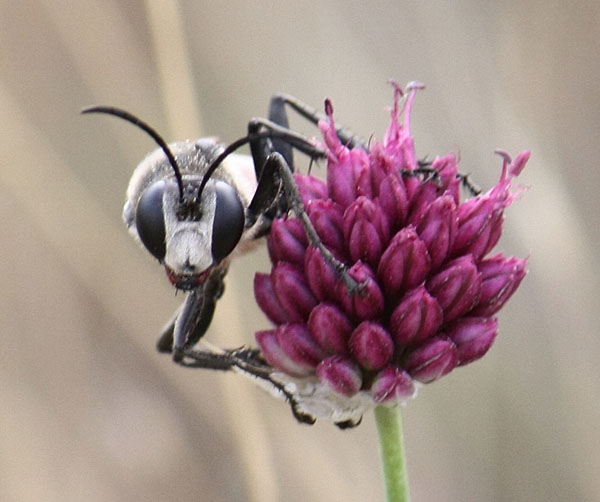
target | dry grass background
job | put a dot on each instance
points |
(89, 411)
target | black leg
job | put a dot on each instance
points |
(192, 320)
(263, 133)
(165, 342)
(247, 362)
(275, 163)
(268, 201)
(277, 113)
(430, 174)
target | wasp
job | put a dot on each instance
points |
(195, 205)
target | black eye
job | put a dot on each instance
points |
(150, 220)
(228, 224)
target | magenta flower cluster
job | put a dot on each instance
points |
(429, 289)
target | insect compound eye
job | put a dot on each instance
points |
(150, 220)
(228, 224)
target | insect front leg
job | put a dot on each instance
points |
(192, 319)
(276, 173)
(165, 342)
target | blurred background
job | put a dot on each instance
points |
(88, 409)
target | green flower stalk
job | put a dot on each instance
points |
(391, 440)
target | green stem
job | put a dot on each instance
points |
(389, 428)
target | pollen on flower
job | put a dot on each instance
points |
(429, 289)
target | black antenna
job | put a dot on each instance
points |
(117, 112)
(217, 162)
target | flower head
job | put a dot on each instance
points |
(429, 291)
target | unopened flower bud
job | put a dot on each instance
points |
(366, 231)
(500, 277)
(417, 317)
(379, 168)
(421, 199)
(437, 229)
(310, 187)
(480, 219)
(344, 167)
(473, 337)
(331, 328)
(392, 384)
(432, 360)
(393, 199)
(343, 175)
(341, 374)
(327, 218)
(367, 302)
(298, 355)
(267, 299)
(292, 291)
(289, 241)
(320, 275)
(371, 345)
(297, 342)
(456, 287)
(404, 264)
(479, 227)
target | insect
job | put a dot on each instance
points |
(195, 205)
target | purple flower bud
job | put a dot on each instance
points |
(394, 200)
(345, 166)
(366, 231)
(274, 354)
(421, 199)
(500, 278)
(392, 384)
(434, 359)
(437, 229)
(473, 337)
(321, 276)
(331, 328)
(379, 167)
(292, 291)
(343, 174)
(479, 226)
(341, 374)
(367, 303)
(404, 264)
(298, 344)
(288, 242)
(371, 345)
(456, 287)
(480, 219)
(417, 317)
(310, 187)
(327, 218)
(267, 299)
